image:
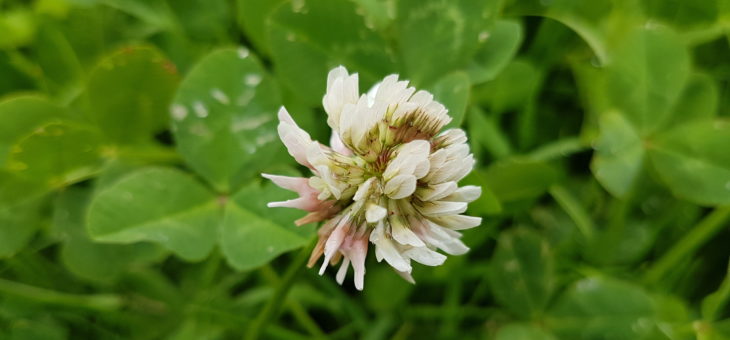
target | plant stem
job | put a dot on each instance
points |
(273, 306)
(299, 313)
(700, 233)
(97, 302)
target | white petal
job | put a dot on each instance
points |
(296, 140)
(364, 189)
(442, 208)
(458, 222)
(422, 168)
(453, 136)
(409, 156)
(342, 89)
(375, 213)
(337, 145)
(385, 249)
(400, 186)
(467, 193)
(425, 256)
(436, 192)
(403, 234)
(444, 239)
(406, 276)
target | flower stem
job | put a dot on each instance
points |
(297, 310)
(272, 307)
(97, 302)
(700, 233)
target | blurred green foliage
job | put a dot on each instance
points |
(132, 133)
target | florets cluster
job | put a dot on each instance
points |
(387, 178)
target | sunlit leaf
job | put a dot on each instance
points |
(619, 156)
(517, 331)
(57, 154)
(20, 116)
(499, 46)
(648, 72)
(253, 234)
(224, 118)
(160, 205)
(437, 36)
(304, 49)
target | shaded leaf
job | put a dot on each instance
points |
(518, 179)
(598, 308)
(129, 93)
(521, 273)
(85, 258)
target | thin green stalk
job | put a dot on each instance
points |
(574, 209)
(271, 309)
(96, 302)
(700, 233)
(451, 309)
(299, 313)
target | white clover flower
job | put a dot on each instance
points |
(387, 177)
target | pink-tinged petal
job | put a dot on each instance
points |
(316, 252)
(327, 210)
(357, 252)
(338, 146)
(334, 241)
(298, 184)
(308, 196)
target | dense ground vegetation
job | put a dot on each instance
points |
(132, 135)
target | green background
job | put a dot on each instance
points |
(133, 133)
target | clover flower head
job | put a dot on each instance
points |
(388, 177)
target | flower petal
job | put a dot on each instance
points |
(400, 186)
(425, 256)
